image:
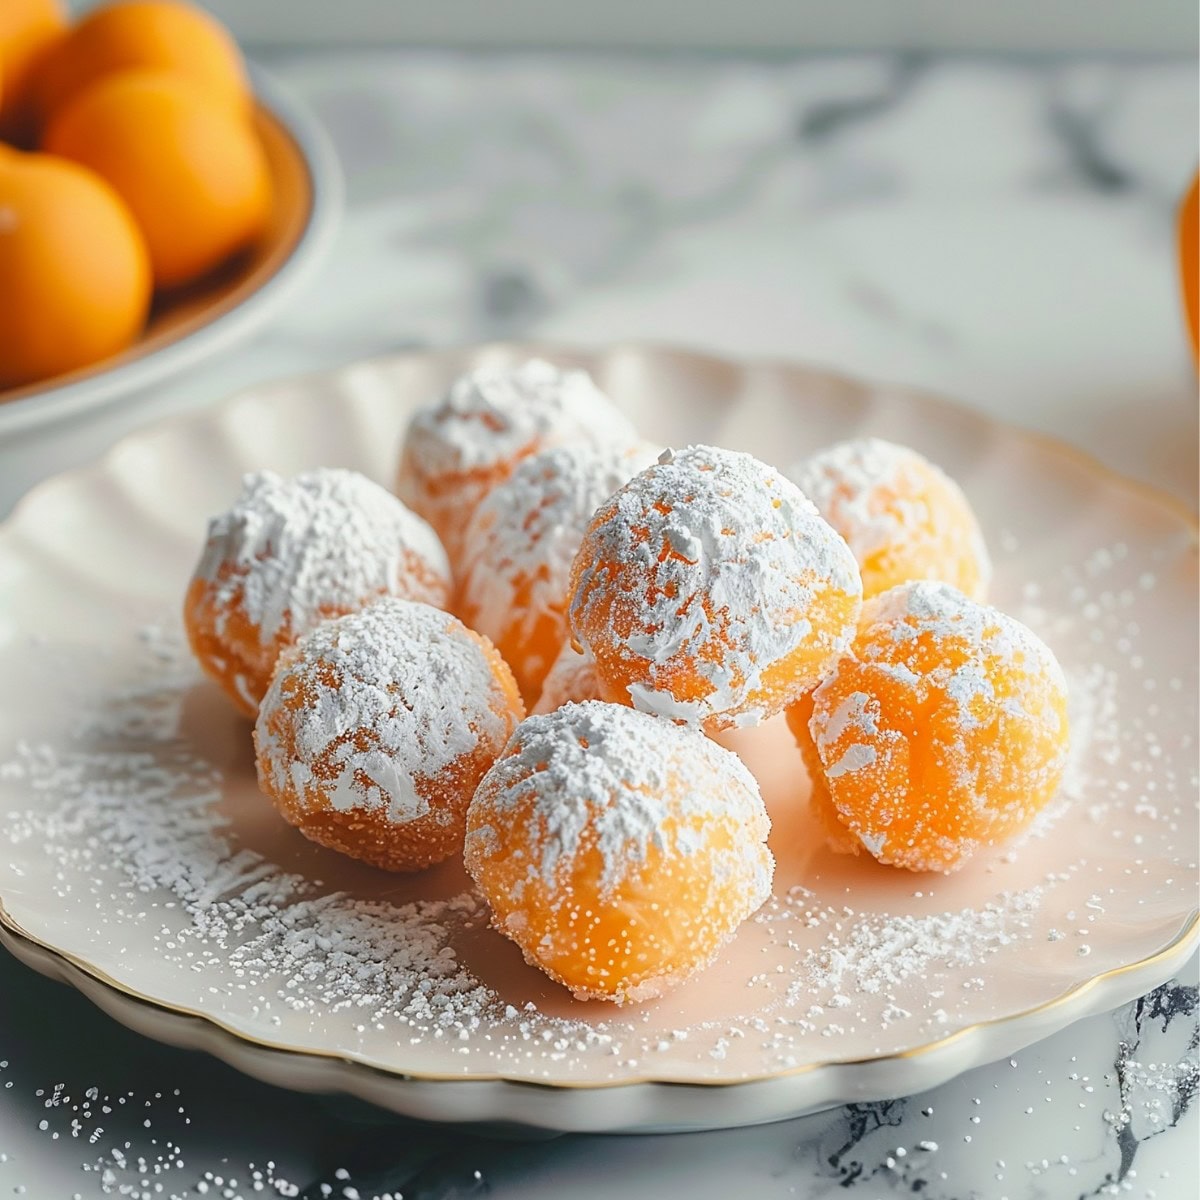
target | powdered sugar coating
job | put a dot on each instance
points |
(457, 449)
(621, 774)
(701, 579)
(943, 728)
(395, 711)
(599, 818)
(572, 677)
(290, 551)
(901, 515)
(521, 542)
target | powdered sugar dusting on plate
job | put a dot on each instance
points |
(878, 953)
(143, 826)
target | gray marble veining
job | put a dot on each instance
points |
(1107, 1107)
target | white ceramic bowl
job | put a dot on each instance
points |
(213, 315)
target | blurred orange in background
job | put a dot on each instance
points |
(28, 30)
(192, 172)
(161, 35)
(74, 272)
(1189, 261)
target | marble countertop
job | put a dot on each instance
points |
(998, 230)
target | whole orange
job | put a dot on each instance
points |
(164, 35)
(1189, 261)
(192, 172)
(74, 272)
(28, 30)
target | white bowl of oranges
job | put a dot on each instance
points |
(155, 202)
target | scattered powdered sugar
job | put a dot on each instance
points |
(496, 414)
(572, 677)
(723, 560)
(147, 810)
(884, 497)
(394, 694)
(520, 543)
(155, 817)
(878, 952)
(290, 550)
(626, 779)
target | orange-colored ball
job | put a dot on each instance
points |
(458, 448)
(618, 851)
(155, 35)
(901, 516)
(942, 730)
(710, 592)
(377, 728)
(291, 553)
(192, 172)
(74, 270)
(517, 552)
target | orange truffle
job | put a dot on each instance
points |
(709, 591)
(901, 516)
(571, 678)
(618, 851)
(291, 553)
(457, 449)
(943, 729)
(518, 549)
(377, 728)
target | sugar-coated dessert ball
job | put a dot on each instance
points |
(903, 517)
(571, 678)
(620, 852)
(942, 729)
(377, 728)
(708, 590)
(457, 449)
(293, 552)
(515, 578)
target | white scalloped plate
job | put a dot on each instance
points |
(855, 981)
